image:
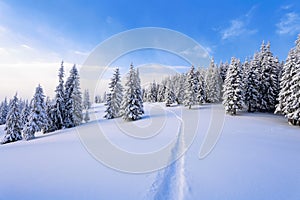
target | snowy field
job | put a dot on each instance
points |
(256, 157)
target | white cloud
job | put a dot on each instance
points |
(289, 24)
(238, 26)
(286, 7)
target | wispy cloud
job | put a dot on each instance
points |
(238, 26)
(286, 7)
(289, 24)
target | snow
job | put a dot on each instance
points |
(256, 157)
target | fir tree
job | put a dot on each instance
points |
(37, 119)
(251, 81)
(213, 83)
(288, 100)
(169, 96)
(51, 110)
(233, 88)
(73, 100)
(191, 86)
(201, 95)
(86, 99)
(3, 111)
(269, 80)
(131, 109)
(13, 125)
(114, 98)
(86, 116)
(57, 110)
(25, 113)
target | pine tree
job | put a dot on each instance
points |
(13, 125)
(289, 97)
(169, 96)
(114, 98)
(191, 86)
(289, 69)
(152, 93)
(131, 109)
(179, 88)
(3, 111)
(161, 91)
(25, 113)
(57, 110)
(201, 95)
(86, 116)
(233, 88)
(86, 99)
(251, 81)
(294, 100)
(37, 119)
(139, 92)
(73, 100)
(213, 83)
(51, 111)
(269, 87)
(223, 70)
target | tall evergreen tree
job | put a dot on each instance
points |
(288, 100)
(201, 94)
(57, 110)
(251, 81)
(233, 88)
(73, 100)
(13, 125)
(191, 88)
(37, 119)
(4, 108)
(114, 98)
(169, 96)
(86, 99)
(131, 104)
(213, 83)
(269, 87)
(25, 113)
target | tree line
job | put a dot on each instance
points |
(23, 119)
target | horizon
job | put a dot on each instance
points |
(36, 36)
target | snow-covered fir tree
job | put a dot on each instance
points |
(161, 91)
(25, 113)
(169, 96)
(13, 125)
(51, 110)
(201, 94)
(233, 88)
(86, 99)
(191, 88)
(179, 88)
(114, 98)
(288, 100)
(139, 92)
(38, 118)
(223, 70)
(152, 93)
(131, 105)
(86, 117)
(213, 83)
(98, 99)
(252, 83)
(294, 100)
(73, 100)
(57, 110)
(4, 108)
(269, 87)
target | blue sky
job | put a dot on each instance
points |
(45, 32)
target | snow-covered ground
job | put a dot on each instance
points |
(256, 157)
